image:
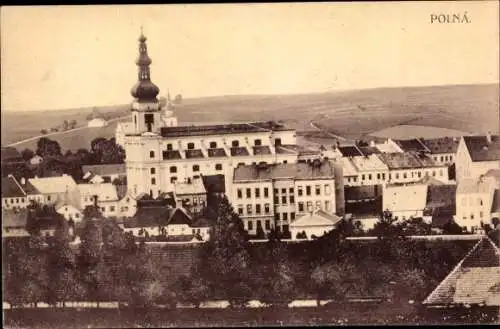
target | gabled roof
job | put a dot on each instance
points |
(11, 188)
(406, 160)
(179, 216)
(441, 145)
(480, 150)
(30, 189)
(318, 218)
(475, 280)
(105, 169)
(58, 184)
(202, 222)
(149, 217)
(214, 183)
(411, 145)
(350, 151)
(194, 187)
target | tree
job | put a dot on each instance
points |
(47, 147)
(260, 232)
(414, 226)
(334, 280)
(225, 258)
(73, 124)
(452, 227)
(276, 284)
(65, 125)
(27, 154)
(43, 131)
(385, 225)
(193, 288)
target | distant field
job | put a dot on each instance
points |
(351, 114)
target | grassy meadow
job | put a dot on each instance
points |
(351, 114)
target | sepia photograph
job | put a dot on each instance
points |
(250, 164)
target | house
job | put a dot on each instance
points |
(13, 195)
(36, 160)
(388, 146)
(14, 223)
(364, 170)
(126, 205)
(441, 204)
(475, 200)
(442, 150)
(97, 122)
(108, 201)
(191, 195)
(54, 189)
(474, 281)
(476, 155)
(201, 226)
(314, 224)
(108, 172)
(69, 211)
(405, 201)
(273, 195)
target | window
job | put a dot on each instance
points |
(277, 142)
(103, 209)
(153, 171)
(318, 204)
(111, 208)
(48, 198)
(397, 175)
(240, 193)
(441, 173)
(266, 208)
(173, 179)
(17, 200)
(327, 205)
(257, 192)
(383, 176)
(285, 216)
(276, 200)
(309, 206)
(276, 216)
(240, 209)
(378, 176)
(480, 214)
(149, 119)
(153, 181)
(250, 225)
(405, 175)
(369, 176)
(301, 206)
(419, 174)
(318, 189)
(355, 179)
(308, 190)
(363, 177)
(213, 145)
(283, 199)
(190, 146)
(77, 215)
(165, 155)
(152, 154)
(276, 191)
(218, 166)
(173, 169)
(292, 216)
(299, 190)
(284, 161)
(283, 190)
(266, 192)
(441, 158)
(471, 216)
(169, 147)
(290, 190)
(235, 143)
(268, 224)
(249, 209)
(480, 201)
(292, 199)
(257, 209)
(257, 142)
(328, 189)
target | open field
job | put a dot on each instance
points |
(338, 314)
(351, 114)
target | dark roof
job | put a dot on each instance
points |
(202, 222)
(361, 192)
(441, 199)
(214, 183)
(350, 151)
(216, 152)
(320, 169)
(368, 150)
(168, 155)
(11, 188)
(10, 154)
(105, 169)
(149, 216)
(193, 154)
(179, 216)
(259, 150)
(205, 130)
(480, 150)
(411, 145)
(475, 280)
(440, 221)
(239, 151)
(406, 160)
(271, 125)
(441, 145)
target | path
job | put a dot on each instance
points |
(312, 124)
(61, 132)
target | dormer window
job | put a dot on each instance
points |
(213, 145)
(190, 146)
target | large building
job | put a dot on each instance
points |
(476, 155)
(159, 153)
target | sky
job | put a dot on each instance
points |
(57, 57)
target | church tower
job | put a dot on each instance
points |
(146, 109)
(168, 118)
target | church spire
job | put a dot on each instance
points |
(144, 89)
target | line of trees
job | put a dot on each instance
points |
(109, 265)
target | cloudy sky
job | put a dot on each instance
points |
(63, 57)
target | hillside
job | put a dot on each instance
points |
(351, 114)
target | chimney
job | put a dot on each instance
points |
(488, 137)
